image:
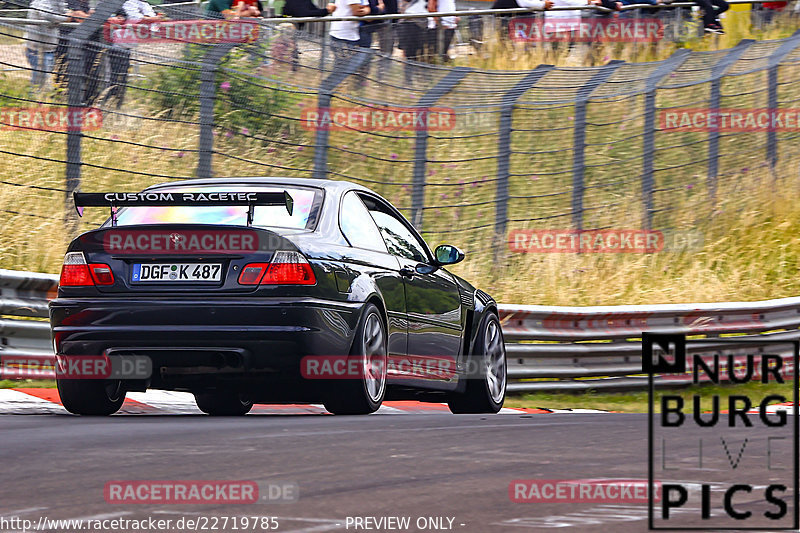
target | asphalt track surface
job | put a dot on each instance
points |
(415, 465)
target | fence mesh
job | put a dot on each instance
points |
(556, 147)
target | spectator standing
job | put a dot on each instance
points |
(344, 34)
(771, 9)
(412, 33)
(367, 28)
(133, 12)
(233, 9)
(42, 39)
(78, 11)
(304, 8)
(712, 9)
(445, 26)
(505, 20)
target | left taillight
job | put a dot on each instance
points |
(75, 272)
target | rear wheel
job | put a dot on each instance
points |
(486, 377)
(223, 403)
(363, 394)
(93, 397)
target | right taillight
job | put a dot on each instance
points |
(76, 273)
(289, 268)
(286, 268)
(251, 273)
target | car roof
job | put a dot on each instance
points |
(333, 186)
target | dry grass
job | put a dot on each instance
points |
(502, 55)
(750, 250)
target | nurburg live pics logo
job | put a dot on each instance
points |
(731, 464)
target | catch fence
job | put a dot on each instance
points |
(551, 147)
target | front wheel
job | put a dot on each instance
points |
(485, 389)
(363, 394)
(223, 403)
(92, 397)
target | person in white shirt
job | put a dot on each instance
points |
(119, 56)
(444, 27)
(42, 39)
(344, 34)
(413, 33)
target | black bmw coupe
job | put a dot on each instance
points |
(269, 290)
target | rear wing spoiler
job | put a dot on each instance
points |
(114, 200)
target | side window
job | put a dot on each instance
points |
(357, 225)
(399, 239)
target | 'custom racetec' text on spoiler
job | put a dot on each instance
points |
(114, 200)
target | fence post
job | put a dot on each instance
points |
(579, 138)
(326, 89)
(323, 47)
(76, 81)
(648, 141)
(507, 103)
(421, 143)
(717, 72)
(208, 95)
(775, 59)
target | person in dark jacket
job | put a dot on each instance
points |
(304, 8)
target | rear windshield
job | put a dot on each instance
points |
(307, 202)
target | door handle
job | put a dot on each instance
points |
(407, 272)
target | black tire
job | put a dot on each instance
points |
(223, 403)
(91, 397)
(364, 394)
(488, 360)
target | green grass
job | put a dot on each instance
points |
(27, 383)
(637, 402)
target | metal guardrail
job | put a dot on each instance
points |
(549, 348)
(25, 294)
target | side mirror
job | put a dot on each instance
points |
(448, 255)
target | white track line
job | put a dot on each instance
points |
(14, 402)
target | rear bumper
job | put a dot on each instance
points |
(271, 335)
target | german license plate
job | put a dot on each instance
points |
(169, 272)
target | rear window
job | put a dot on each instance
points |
(307, 203)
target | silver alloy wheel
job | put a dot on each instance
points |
(374, 354)
(495, 358)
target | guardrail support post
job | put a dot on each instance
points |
(772, 92)
(507, 103)
(428, 99)
(579, 138)
(648, 141)
(76, 81)
(717, 72)
(326, 88)
(208, 95)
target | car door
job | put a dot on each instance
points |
(433, 305)
(368, 256)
